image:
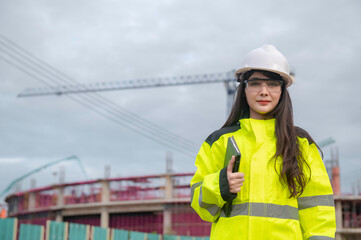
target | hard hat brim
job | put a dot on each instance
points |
(286, 77)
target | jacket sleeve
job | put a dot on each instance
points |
(207, 196)
(316, 205)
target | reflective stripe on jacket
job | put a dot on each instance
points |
(262, 209)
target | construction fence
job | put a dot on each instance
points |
(9, 230)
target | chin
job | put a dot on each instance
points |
(266, 115)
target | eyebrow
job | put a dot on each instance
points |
(262, 79)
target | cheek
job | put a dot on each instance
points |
(248, 96)
(276, 97)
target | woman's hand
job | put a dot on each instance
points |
(235, 180)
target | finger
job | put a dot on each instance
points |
(237, 186)
(235, 190)
(230, 164)
(238, 175)
(235, 182)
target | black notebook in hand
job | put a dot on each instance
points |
(232, 150)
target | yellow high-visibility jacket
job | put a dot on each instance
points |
(263, 208)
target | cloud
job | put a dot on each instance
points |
(115, 41)
(11, 160)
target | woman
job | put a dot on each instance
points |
(282, 190)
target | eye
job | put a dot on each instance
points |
(254, 83)
(274, 83)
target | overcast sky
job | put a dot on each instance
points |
(102, 41)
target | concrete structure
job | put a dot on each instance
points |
(158, 203)
(348, 217)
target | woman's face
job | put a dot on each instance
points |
(262, 96)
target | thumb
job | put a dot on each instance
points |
(230, 165)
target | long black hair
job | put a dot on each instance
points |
(287, 147)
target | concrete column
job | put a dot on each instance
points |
(167, 213)
(104, 214)
(104, 218)
(338, 208)
(15, 203)
(60, 202)
(168, 187)
(167, 220)
(105, 191)
(32, 200)
(58, 216)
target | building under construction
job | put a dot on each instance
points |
(153, 204)
(158, 204)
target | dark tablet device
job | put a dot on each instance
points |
(232, 150)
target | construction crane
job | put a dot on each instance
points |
(227, 78)
(73, 157)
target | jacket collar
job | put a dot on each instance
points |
(260, 129)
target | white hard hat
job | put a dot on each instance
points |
(266, 58)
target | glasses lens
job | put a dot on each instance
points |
(256, 85)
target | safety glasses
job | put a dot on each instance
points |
(257, 84)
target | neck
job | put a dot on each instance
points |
(260, 116)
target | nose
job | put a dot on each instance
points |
(264, 89)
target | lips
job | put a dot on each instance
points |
(263, 102)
